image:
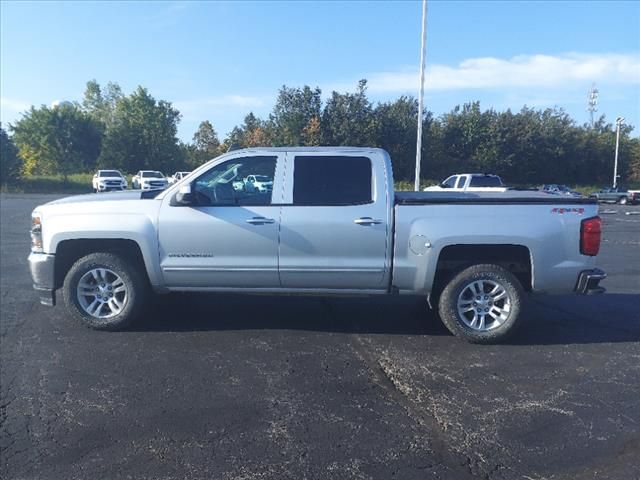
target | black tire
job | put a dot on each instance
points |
(137, 290)
(448, 303)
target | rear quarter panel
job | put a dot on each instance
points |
(551, 233)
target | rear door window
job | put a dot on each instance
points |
(332, 180)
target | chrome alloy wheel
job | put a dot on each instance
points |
(101, 293)
(484, 305)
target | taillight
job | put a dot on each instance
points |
(590, 233)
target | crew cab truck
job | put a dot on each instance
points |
(332, 224)
(470, 182)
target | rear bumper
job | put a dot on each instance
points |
(588, 282)
(41, 266)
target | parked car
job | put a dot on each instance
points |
(470, 182)
(556, 189)
(258, 183)
(333, 226)
(149, 180)
(616, 195)
(106, 180)
(176, 177)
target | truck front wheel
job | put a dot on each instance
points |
(482, 304)
(104, 291)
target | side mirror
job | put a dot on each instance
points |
(184, 196)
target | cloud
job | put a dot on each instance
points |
(12, 105)
(522, 71)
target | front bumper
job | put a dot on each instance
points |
(588, 282)
(108, 188)
(41, 266)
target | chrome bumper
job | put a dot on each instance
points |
(588, 281)
(41, 266)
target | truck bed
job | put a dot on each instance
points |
(508, 197)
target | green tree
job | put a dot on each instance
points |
(206, 143)
(348, 119)
(294, 110)
(396, 124)
(58, 140)
(10, 162)
(143, 135)
(101, 103)
(634, 160)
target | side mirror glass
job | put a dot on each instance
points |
(184, 196)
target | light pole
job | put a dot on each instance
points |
(619, 123)
(592, 102)
(423, 53)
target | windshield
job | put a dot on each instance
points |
(110, 173)
(262, 178)
(152, 175)
(486, 181)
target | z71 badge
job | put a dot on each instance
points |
(562, 211)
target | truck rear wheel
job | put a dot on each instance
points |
(482, 304)
(104, 291)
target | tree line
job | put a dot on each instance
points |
(109, 129)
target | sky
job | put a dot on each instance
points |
(217, 61)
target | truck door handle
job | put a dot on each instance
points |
(260, 220)
(367, 221)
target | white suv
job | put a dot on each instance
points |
(105, 180)
(149, 180)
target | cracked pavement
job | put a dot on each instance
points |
(259, 387)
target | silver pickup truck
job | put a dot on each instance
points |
(332, 224)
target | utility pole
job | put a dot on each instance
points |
(423, 54)
(592, 101)
(619, 123)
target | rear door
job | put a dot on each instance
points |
(335, 223)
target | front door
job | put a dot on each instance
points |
(229, 237)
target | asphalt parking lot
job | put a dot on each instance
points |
(235, 387)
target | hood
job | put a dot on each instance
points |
(99, 197)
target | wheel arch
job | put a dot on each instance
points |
(69, 251)
(454, 258)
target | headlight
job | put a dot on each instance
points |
(36, 233)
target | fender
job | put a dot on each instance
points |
(138, 227)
